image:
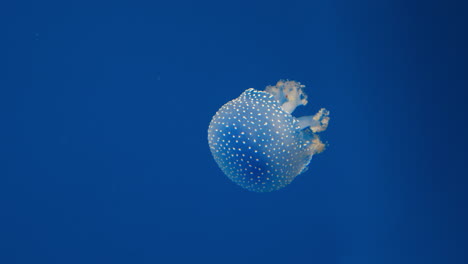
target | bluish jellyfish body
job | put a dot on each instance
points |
(256, 141)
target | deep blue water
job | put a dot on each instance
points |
(105, 109)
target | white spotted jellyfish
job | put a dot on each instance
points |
(256, 141)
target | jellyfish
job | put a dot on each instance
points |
(256, 141)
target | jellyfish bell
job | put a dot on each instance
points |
(256, 141)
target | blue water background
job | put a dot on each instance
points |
(105, 107)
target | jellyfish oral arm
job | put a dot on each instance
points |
(317, 122)
(289, 94)
(307, 121)
(289, 106)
